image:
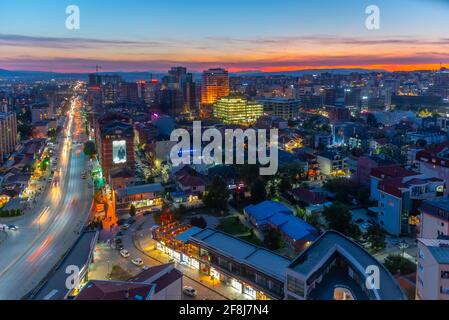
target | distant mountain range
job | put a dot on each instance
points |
(133, 76)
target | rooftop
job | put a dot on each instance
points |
(115, 290)
(146, 188)
(245, 252)
(439, 248)
(312, 258)
(265, 210)
(55, 287)
(294, 227)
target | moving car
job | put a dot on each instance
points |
(137, 261)
(13, 228)
(125, 253)
(189, 291)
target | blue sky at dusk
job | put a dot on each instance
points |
(240, 35)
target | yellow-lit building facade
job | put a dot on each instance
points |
(215, 85)
(237, 110)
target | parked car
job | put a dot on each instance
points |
(366, 225)
(360, 221)
(13, 228)
(119, 247)
(125, 253)
(137, 261)
(131, 221)
(189, 291)
(395, 242)
(125, 226)
(145, 268)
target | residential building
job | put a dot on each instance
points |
(8, 134)
(142, 197)
(332, 163)
(434, 162)
(41, 111)
(387, 172)
(432, 279)
(434, 219)
(281, 107)
(400, 199)
(365, 165)
(190, 181)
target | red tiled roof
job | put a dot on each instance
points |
(148, 274)
(308, 196)
(431, 155)
(115, 290)
(391, 186)
(167, 279)
(392, 171)
(188, 177)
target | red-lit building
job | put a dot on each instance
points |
(115, 143)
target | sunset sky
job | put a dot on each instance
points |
(267, 35)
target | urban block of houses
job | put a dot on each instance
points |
(270, 215)
(434, 162)
(399, 194)
(190, 181)
(333, 267)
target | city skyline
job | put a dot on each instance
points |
(201, 35)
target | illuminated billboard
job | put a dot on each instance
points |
(119, 151)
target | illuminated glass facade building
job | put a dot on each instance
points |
(237, 110)
(215, 85)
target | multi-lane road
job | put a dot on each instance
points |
(48, 232)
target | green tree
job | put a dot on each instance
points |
(376, 237)
(339, 218)
(217, 194)
(258, 191)
(314, 220)
(90, 149)
(397, 263)
(24, 130)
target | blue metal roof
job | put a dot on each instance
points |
(187, 234)
(265, 210)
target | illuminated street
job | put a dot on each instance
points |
(44, 235)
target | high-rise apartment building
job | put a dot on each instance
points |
(215, 85)
(8, 133)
